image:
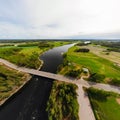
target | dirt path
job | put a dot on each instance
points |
(85, 110)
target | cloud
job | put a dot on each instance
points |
(59, 18)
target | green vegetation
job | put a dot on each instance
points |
(17, 56)
(82, 50)
(100, 69)
(106, 105)
(10, 80)
(27, 54)
(111, 46)
(62, 104)
(69, 68)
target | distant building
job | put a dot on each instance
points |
(87, 42)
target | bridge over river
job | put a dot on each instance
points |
(58, 77)
(82, 100)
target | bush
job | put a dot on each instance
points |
(73, 73)
(62, 104)
(82, 50)
(98, 94)
(65, 55)
(115, 81)
(28, 45)
(45, 45)
(95, 77)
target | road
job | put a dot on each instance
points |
(85, 112)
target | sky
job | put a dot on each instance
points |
(53, 19)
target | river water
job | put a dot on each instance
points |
(30, 102)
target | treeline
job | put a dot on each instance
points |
(41, 45)
(112, 46)
(62, 104)
(28, 44)
(5, 45)
(82, 50)
(45, 45)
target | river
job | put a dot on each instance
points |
(30, 102)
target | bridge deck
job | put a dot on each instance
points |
(62, 78)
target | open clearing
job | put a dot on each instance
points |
(94, 63)
(101, 51)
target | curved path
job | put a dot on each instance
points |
(83, 99)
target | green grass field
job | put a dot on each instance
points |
(105, 109)
(94, 63)
(10, 80)
(27, 54)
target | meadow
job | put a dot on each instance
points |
(100, 69)
(27, 54)
(22, 54)
(106, 105)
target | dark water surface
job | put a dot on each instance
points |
(30, 102)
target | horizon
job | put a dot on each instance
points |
(44, 19)
(60, 39)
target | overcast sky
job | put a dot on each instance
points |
(59, 19)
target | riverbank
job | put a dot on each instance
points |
(62, 103)
(4, 90)
(101, 70)
(31, 101)
(28, 77)
(27, 54)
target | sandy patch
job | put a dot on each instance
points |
(118, 100)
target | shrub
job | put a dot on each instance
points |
(95, 77)
(45, 45)
(62, 104)
(73, 73)
(115, 81)
(98, 94)
(82, 50)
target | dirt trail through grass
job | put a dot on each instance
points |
(100, 51)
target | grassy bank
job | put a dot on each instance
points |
(100, 69)
(27, 54)
(22, 54)
(10, 81)
(106, 105)
(62, 103)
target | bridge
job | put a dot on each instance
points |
(36, 72)
(82, 100)
(62, 78)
